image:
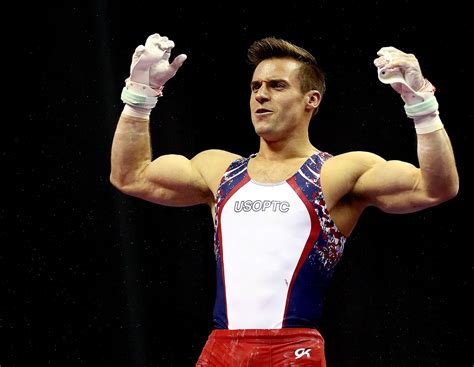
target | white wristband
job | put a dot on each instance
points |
(132, 111)
(428, 123)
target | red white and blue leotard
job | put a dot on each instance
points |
(276, 247)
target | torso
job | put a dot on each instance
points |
(282, 235)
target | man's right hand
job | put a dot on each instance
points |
(150, 63)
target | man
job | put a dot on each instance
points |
(282, 215)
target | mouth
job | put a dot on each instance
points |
(262, 112)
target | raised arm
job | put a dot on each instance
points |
(171, 179)
(400, 187)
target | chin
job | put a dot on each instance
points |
(267, 135)
(260, 130)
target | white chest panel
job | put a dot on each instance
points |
(264, 230)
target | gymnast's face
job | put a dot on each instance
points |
(277, 104)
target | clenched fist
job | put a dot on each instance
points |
(402, 71)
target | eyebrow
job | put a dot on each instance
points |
(255, 82)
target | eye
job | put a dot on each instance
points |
(278, 84)
(255, 86)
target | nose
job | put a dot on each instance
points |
(261, 94)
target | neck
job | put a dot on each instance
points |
(285, 149)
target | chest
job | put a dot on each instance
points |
(273, 172)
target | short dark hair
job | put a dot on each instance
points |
(310, 74)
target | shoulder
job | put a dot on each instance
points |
(356, 160)
(340, 173)
(212, 164)
(215, 157)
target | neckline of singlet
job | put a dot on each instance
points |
(259, 183)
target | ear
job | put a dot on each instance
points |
(313, 98)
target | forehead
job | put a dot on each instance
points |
(276, 69)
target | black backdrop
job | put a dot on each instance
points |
(91, 277)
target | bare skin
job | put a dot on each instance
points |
(281, 114)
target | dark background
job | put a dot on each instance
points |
(91, 277)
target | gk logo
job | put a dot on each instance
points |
(301, 352)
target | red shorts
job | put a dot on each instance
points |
(264, 348)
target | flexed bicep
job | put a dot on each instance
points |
(394, 187)
(173, 180)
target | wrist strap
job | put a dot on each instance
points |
(428, 106)
(139, 99)
(143, 89)
(136, 100)
(425, 115)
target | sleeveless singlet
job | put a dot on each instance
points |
(276, 247)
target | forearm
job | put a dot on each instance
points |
(439, 175)
(149, 71)
(131, 151)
